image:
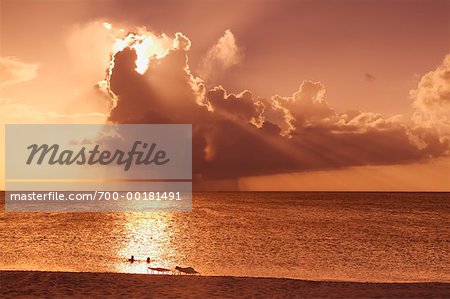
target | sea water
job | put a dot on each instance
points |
(318, 236)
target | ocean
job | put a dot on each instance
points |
(356, 236)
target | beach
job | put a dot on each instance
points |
(27, 284)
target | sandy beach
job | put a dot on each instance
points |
(27, 284)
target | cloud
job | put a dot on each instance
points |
(14, 111)
(223, 55)
(319, 137)
(241, 107)
(163, 93)
(432, 101)
(238, 135)
(13, 71)
(305, 107)
(433, 91)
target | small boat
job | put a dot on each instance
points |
(187, 270)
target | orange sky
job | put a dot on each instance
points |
(345, 55)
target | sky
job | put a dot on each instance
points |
(282, 95)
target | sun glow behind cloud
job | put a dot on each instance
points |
(146, 45)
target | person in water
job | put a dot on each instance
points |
(131, 259)
(148, 260)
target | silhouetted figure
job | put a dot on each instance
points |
(148, 260)
(131, 260)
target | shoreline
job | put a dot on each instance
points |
(234, 276)
(92, 284)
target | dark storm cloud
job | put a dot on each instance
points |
(237, 135)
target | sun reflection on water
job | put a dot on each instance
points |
(148, 235)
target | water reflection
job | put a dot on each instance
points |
(148, 235)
